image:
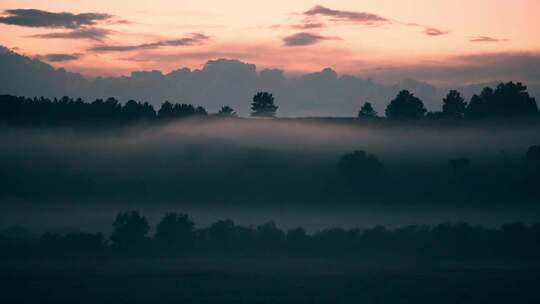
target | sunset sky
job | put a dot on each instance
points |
(357, 37)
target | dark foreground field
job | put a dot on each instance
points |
(267, 281)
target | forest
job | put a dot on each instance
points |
(176, 235)
(508, 101)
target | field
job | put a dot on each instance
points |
(266, 281)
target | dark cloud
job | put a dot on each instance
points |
(120, 21)
(346, 16)
(307, 26)
(96, 34)
(485, 39)
(319, 93)
(59, 57)
(342, 16)
(469, 69)
(39, 18)
(435, 32)
(192, 39)
(304, 38)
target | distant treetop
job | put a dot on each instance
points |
(405, 106)
(367, 111)
(454, 106)
(227, 111)
(263, 105)
(508, 101)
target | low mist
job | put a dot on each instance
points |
(255, 170)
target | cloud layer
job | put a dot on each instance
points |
(231, 82)
(96, 34)
(305, 38)
(485, 39)
(189, 40)
(39, 18)
(455, 70)
(435, 32)
(345, 16)
(60, 57)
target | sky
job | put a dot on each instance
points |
(360, 37)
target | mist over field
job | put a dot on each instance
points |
(255, 170)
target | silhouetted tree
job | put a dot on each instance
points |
(183, 110)
(263, 105)
(174, 232)
(454, 105)
(221, 235)
(508, 101)
(360, 166)
(478, 106)
(166, 110)
(453, 241)
(133, 111)
(405, 106)
(180, 110)
(367, 111)
(111, 108)
(270, 236)
(200, 111)
(298, 240)
(227, 111)
(130, 231)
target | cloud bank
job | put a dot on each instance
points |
(39, 18)
(232, 82)
(305, 38)
(345, 16)
(95, 34)
(485, 39)
(189, 40)
(435, 32)
(60, 57)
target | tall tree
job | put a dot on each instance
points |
(405, 106)
(166, 110)
(174, 232)
(201, 111)
(227, 112)
(263, 105)
(130, 231)
(508, 101)
(454, 105)
(367, 111)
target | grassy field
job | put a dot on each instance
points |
(266, 281)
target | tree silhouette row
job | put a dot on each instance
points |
(67, 110)
(507, 101)
(176, 235)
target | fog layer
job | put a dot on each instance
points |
(270, 169)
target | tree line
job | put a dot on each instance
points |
(66, 110)
(507, 101)
(176, 236)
